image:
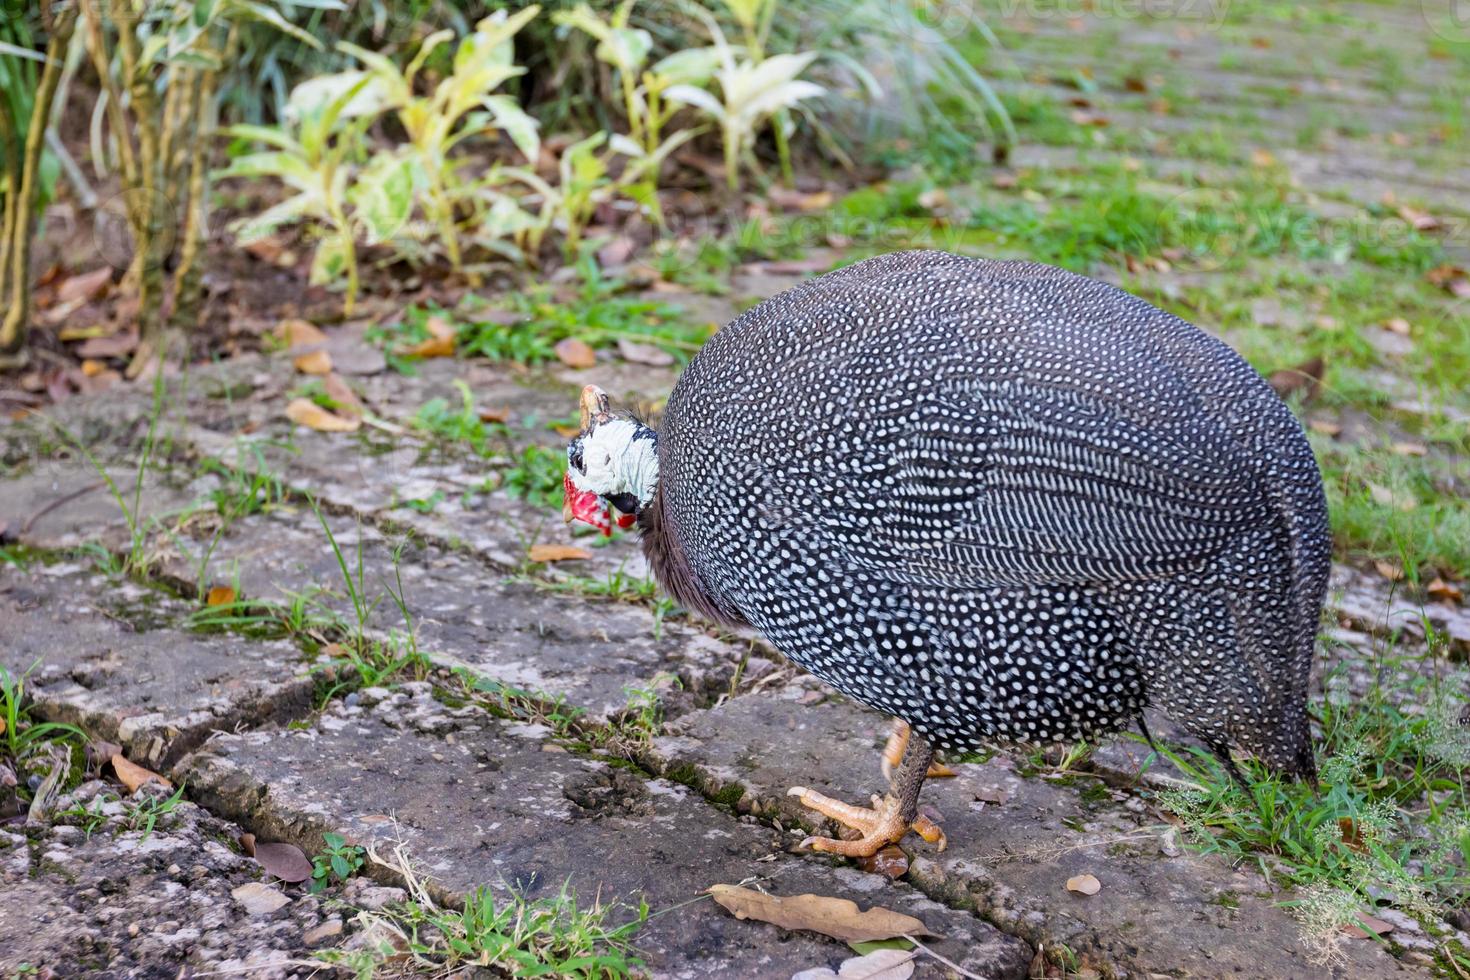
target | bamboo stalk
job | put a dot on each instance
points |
(97, 48)
(17, 318)
(187, 275)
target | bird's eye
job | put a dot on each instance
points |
(575, 458)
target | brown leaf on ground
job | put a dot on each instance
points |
(247, 844)
(1447, 591)
(1397, 325)
(133, 775)
(1389, 570)
(1388, 497)
(1418, 220)
(100, 753)
(1410, 449)
(880, 964)
(1262, 158)
(313, 362)
(500, 414)
(303, 411)
(220, 595)
(286, 861)
(1305, 378)
(644, 353)
(557, 552)
(85, 286)
(575, 353)
(119, 344)
(890, 862)
(1347, 828)
(835, 917)
(1451, 278)
(439, 344)
(341, 393)
(295, 332)
(1325, 426)
(1368, 922)
(1084, 885)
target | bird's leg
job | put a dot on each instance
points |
(890, 817)
(898, 740)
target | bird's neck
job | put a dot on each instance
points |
(675, 573)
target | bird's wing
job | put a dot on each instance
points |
(1017, 479)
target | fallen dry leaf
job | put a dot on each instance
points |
(1418, 220)
(247, 844)
(1410, 449)
(294, 332)
(644, 353)
(286, 861)
(1447, 591)
(220, 595)
(1305, 378)
(575, 353)
(880, 964)
(1325, 426)
(304, 411)
(1347, 828)
(1262, 158)
(1368, 922)
(133, 775)
(557, 552)
(1397, 325)
(1388, 497)
(113, 345)
(835, 917)
(99, 753)
(1084, 885)
(87, 285)
(313, 362)
(501, 414)
(1389, 570)
(439, 344)
(341, 393)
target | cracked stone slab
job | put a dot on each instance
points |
(479, 801)
(119, 902)
(107, 659)
(465, 613)
(1161, 911)
(62, 504)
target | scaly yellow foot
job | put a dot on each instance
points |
(880, 826)
(898, 741)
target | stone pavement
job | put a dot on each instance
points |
(523, 789)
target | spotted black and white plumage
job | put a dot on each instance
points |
(1000, 500)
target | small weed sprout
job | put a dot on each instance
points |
(144, 809)
(337, 862)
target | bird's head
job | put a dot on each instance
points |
(612, 466)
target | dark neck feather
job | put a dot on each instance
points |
(672, 569)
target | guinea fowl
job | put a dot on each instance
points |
(996, 500)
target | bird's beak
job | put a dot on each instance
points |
(584, 506)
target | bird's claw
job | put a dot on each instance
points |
(880, 825)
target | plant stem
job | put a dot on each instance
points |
(20, 219)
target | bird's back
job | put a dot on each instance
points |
(922, 429)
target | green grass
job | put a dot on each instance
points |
(24, 740)
(509, 935)
(1391, 813)
(526, 327)
(536, 476)
(460, 425)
